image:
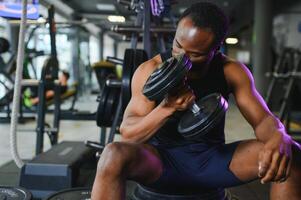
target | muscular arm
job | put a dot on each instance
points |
(275, 157)
(250, 102)
(142, 118)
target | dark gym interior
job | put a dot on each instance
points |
(66, 71)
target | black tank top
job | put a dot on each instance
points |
(213, 81)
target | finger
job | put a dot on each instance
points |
(281, 173)
(185, 104)
(288, 170)
(185, 96)
(260, 158)
(180, 101)
(273, 168)
(264, 162)
(191, 100)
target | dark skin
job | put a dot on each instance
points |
(268, 158)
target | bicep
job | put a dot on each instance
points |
(249, 101)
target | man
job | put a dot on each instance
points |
(154, 154)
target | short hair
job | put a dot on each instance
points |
(207, 15)
(66, 74)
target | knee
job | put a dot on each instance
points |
(113, 160)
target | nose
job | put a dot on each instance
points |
(182, 51)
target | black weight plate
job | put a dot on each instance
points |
(111, 106)
(127, 75)
(71, 194)
(108, 109)
(216, 118)
(162, 71)
(14, 193)
(102, 98)
(162, 76)
(132, 59)
(213, 108)
(167, 79)
(175, 79)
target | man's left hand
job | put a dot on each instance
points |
(275, 158)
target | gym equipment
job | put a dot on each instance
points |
(282, 92)
(102, 70)
(131, 29)
(74, 194)
(142, 27)
(203, 115)
(6, 88)
(143, 193)
(4, 45)
(143, 10)
(287, 70)
(17, 88)
(132, 59)
(6, 81)
(48, 77)
(196, 124)
(108, 112)
(108, 100)
(14, 193)
(56, 169)
(166, 77)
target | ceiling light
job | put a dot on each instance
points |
(116, 18)
(231, 41)
(105, 7)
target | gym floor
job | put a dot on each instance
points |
(236, 129)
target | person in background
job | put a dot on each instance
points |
(30, 96)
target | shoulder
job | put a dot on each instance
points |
(237, 74)
(146, 68)
(144, 71)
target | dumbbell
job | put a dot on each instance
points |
(203, 115)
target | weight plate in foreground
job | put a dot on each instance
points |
(14, 193)
(74, 194)
(212, 109)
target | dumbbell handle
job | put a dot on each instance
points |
(195, 108)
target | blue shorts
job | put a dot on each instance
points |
(196, 167)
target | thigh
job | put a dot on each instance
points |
(197, 167)
(244, 163)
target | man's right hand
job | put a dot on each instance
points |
(179, 98)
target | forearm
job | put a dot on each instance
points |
(268, 127)
(140, 129)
